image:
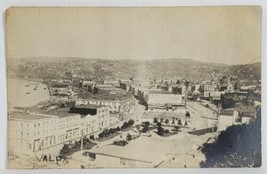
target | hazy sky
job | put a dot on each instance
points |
(229, 35)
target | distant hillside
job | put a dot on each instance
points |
(168, 68)
(252, 71)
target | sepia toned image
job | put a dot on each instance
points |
(134, 87)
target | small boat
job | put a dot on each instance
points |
(44, 88)
(27, 85)
(34, 89)
(27, 92)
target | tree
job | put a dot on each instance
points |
(160, 130)
(130, 122)
(187, 114)
(100, 135)
(120, 143)
(92, 137)
(65, 149)
(125, 125)
(112, 131)
(146, 124)
(106, 132)
(161, 120)
(159, 124)
(118, 129)
(144, 129)
(179, 122)
(155, 120)
(176, 128)
(166, 121)
(237, 146)
(185, 124)
(95, 91)
(129, 137)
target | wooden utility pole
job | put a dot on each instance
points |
(186, 88)
(82, 141)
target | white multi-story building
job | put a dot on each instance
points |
(33, 132)
(227, 118)
(163, 99)
(123, 104)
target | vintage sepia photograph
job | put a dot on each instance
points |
(134, 87)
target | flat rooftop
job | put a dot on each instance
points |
(88, 106)
(106, 96)
(152, 149)
(139, 149)
(161, 92)
(60, 112)
(27, 116)
(227, 112)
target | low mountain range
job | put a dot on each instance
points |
(55, 67)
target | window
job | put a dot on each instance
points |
(34, 125)
(38, 124)
(27, 135)
(123, 161)
(21, 134)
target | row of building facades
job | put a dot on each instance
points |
(112, 103)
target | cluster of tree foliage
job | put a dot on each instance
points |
(237, 146)
(187, 114)
(108, 132)
(127, 124)
(167, 121)
(120, 143)
(145, 126)
(129, 137)
(176, 128)
(92, 137)
(161, 130)
(68, 149)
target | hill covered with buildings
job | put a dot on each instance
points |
(65, 67)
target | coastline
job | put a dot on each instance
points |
(26, 92)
